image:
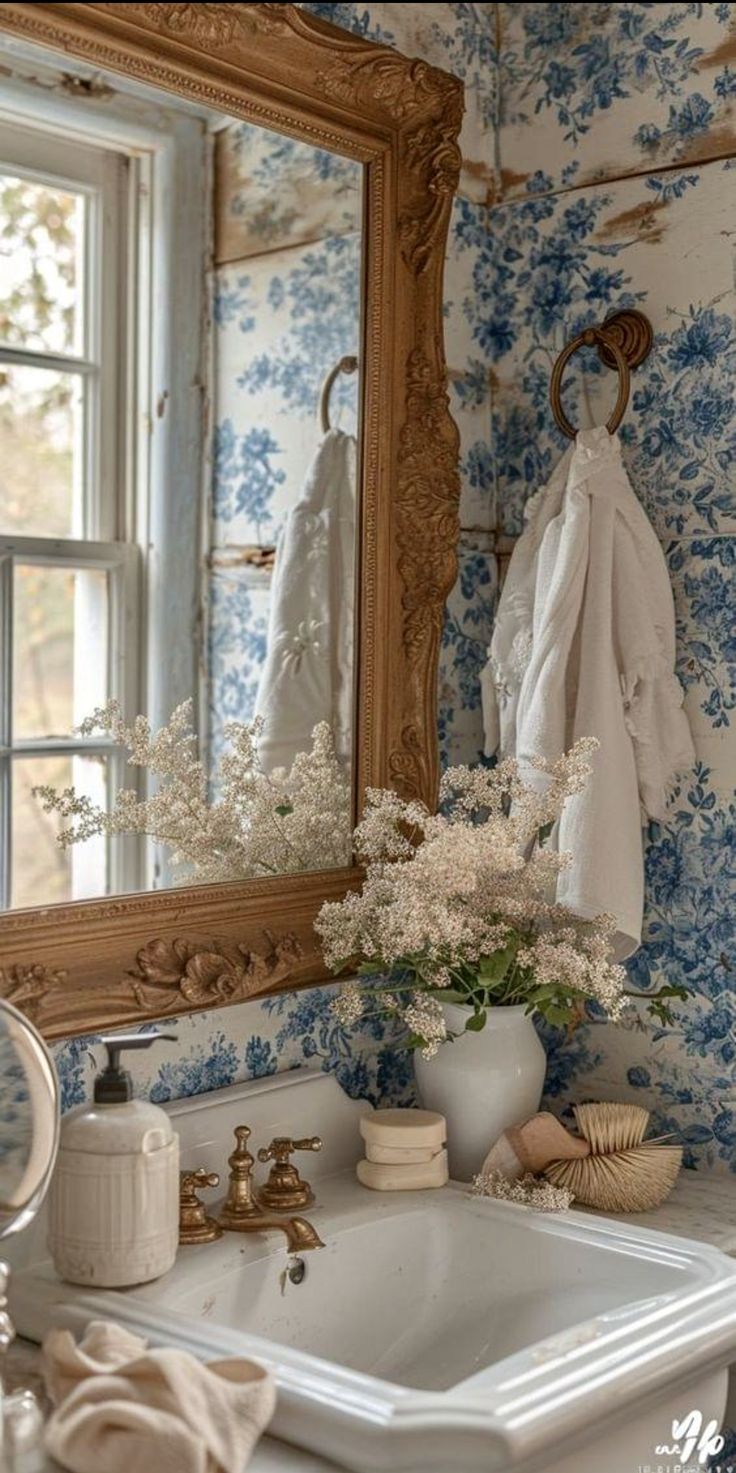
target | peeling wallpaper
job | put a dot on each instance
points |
(597, 173)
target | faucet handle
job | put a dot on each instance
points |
(239, 1205)
(282, 1147)
(194, 1224)
(241, 1162)
(285, 1189)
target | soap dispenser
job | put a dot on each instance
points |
(114, 1198)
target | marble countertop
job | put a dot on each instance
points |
(701, 1207)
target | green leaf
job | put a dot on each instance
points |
(477, 1023)
(494, 968)
(556, 1012)
(544, 833)
(284, 809)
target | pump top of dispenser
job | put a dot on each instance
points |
(114, 1085)
(116, 1123)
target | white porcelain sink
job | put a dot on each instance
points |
(435, 1331)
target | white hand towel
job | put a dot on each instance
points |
(122, 1408)
(308, 672)
(584, 645)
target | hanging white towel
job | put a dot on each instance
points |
(584, 645)
(308, 672)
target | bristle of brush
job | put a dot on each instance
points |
(633, 1180)
(611, 1127)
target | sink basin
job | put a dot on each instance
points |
(435, 1331)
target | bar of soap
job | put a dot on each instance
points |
(416, 1129)
(413, 1176)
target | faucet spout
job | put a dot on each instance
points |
(240, 1213)
(300, 1235)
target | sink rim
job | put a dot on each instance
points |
(519, 1403)
(367, 1424)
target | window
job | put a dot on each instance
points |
(69, 566)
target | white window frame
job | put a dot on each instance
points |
(100, 176)
(101, 538)
(121, 563)
(161, 428)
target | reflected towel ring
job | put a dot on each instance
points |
(348, 364)
(623, 342)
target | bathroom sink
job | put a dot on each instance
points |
(435, 1330)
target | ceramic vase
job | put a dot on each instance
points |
(482, 1082)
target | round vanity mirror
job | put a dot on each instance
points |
(29, 1120)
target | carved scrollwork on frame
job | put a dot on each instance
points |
(428, 529)
(206, 975)
(436, 164)
(169, 975)
(430, 150)
(368, 75)
(429, 495)
(125, 958)
(27, 986)
(216, 25)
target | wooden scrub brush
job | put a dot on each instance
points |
(622, 1172)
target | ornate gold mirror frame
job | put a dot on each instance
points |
(84, 966)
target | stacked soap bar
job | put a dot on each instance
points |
(404, 1150)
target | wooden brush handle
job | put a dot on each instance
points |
(543, 1139)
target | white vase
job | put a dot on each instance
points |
(482, 1082)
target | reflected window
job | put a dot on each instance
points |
(68, 614)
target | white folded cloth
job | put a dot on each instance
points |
(584, 646)
(122, 1408)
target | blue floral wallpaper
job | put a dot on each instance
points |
(592, 92)
(599, 147)
(255, 1039)
(616, 148)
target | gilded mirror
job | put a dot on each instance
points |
(228, 488)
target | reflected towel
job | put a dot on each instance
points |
(308, 673)
(122, 1408)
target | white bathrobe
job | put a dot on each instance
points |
(308, 672)
(584, 645)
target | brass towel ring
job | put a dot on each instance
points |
(348, 364)
(623, 342)
(588, 339)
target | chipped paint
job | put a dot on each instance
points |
(511, 181)
(643, 221)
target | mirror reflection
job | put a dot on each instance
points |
(29, 1120)
(180, 329)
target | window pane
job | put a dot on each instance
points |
(41, 454)
(40, 866)
(60, 640)
(41, 264)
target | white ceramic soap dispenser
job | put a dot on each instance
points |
(114, 1198)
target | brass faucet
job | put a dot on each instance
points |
(240, 1212)
(194, 1224)
(285, 1188)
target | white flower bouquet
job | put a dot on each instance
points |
(455, 908)
(258, 823)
